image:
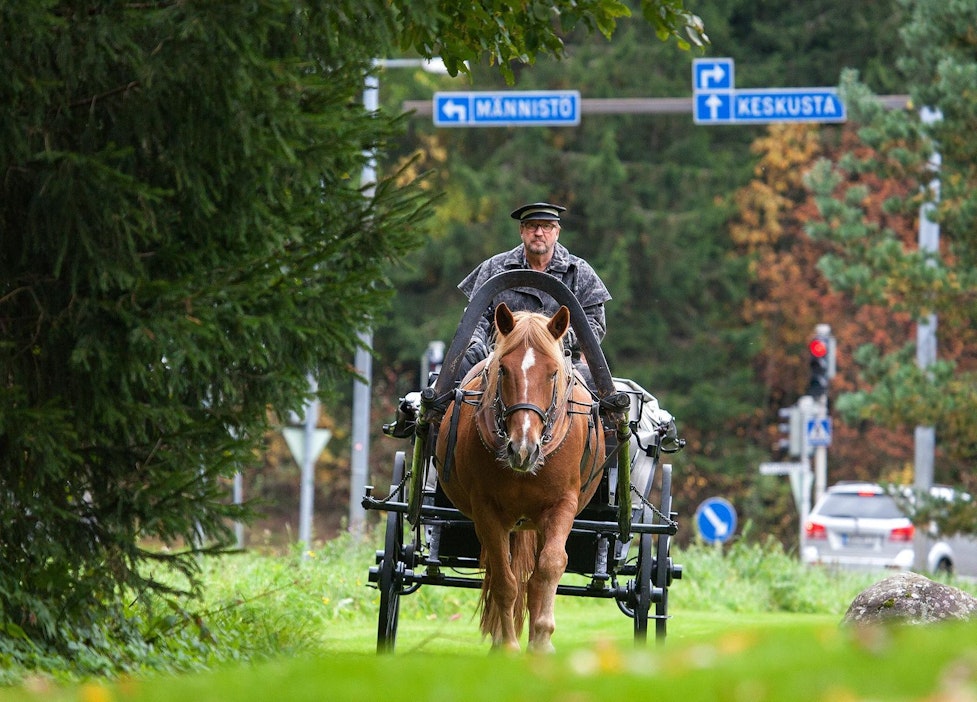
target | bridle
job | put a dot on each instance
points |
(503, 412)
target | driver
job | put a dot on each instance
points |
(540, 250)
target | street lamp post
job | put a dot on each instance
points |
(363, 361)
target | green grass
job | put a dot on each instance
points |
(748, 622)
(752, 662)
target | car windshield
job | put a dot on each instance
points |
(853, 505)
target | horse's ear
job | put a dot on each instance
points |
(560, 322)
(504, 321)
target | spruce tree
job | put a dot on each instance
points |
(183, 239)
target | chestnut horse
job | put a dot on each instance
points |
(526, 460)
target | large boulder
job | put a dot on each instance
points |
(910, 598)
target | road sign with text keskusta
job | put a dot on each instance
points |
(717, 101)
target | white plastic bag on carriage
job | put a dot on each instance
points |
(649, 416)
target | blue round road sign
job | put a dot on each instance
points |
(716, 520)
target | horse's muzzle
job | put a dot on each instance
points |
(523, 458)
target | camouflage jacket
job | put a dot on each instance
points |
(572, 271)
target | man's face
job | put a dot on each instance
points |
(539, 235)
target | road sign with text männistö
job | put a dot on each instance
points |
(513, 108)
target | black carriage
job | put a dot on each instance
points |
(620, 542)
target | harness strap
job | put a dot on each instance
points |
(449, 456)
(525, 406)
(588, 457)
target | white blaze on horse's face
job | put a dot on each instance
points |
(528, 361)
(528, 395)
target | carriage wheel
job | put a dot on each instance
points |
(391, 570)
(663, 560)
(389, 583)
(642, 589)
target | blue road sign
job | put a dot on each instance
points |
(717, 101)
(819, 431)
(788, 105)
(712, 74)
(769, 105)
(713, 108)
(715, 520)
(513, 108)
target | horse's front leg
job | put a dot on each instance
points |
(550, 566)
(500, 589)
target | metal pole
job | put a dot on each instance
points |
(238, 499)
(636, 106)
(929, 243)
(359, 460)
(361, 432)
(309, 457)
(805, 497)
(806, 408)
(820, 471)
(820, 410)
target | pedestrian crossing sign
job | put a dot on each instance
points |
(819, 431)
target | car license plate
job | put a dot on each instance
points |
(859, 540)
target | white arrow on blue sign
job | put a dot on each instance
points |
(712, 74)
(713, 108)
(716, 520)
(514, 108)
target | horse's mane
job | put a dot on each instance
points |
(529, 331)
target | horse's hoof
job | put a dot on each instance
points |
(542, 649)
(506, 648)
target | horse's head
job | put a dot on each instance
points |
(529, 378)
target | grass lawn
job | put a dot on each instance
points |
(748, 623)
(711, 657)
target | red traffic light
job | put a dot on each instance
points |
(818, 347)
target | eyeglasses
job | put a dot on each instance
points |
(547, 227)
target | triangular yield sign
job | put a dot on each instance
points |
(295, 438)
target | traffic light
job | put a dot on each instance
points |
(821, 349)
(790, 430)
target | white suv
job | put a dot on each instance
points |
(861, 526)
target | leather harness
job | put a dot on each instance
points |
(490, 417)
